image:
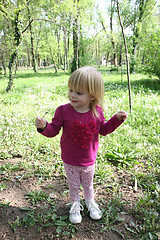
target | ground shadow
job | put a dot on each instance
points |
(40, 73)
(136, 85)
(143, 84)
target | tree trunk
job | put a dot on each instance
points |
(112, 40)
(107, 57)
(50, 49)
(75, 46)
(37, 45)
(17, 40)
(65, 48)
(134, 44)
(3, 64)
(75, 62)
(29, 59)
(68, 42)
(32, 44)
(136, 32)
(58, 54)
(120, 54)
(126, 51)
(16, 23)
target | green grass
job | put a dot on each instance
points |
(135, 142)
(36, 94)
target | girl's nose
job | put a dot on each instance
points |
(73, 94)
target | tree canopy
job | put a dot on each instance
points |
(71, 33)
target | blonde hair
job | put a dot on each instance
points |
(88, 78)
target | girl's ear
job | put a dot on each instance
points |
(92, 98)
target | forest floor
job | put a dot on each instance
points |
(37, 216)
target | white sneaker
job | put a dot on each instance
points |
(95, 212)
(74, 213)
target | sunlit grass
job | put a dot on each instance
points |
(37, 94)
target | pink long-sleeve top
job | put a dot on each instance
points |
(79, 140)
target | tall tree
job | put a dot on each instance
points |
(126, 51)
(14, 17)
(32, 42)
(142, 9)
(75, 61)
(150, 48)
(111, 29)
(5, 44)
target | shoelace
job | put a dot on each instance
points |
(93, 206)
(76, 207)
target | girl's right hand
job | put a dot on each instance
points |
(40, 123)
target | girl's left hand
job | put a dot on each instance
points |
(121, 115)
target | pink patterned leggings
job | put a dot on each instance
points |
(80, 175)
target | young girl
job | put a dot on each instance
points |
(82, 121)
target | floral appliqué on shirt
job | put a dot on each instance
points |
(82, 133)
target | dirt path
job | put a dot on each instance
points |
(42, 214)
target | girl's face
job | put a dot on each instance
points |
(80, 101)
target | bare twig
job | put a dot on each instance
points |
(126, 51)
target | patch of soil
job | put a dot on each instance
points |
(14, 205)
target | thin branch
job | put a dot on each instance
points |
(43, 19)
(5, 12)
(126, 51)
(98, 32)
(27, 3)
(28, 25)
